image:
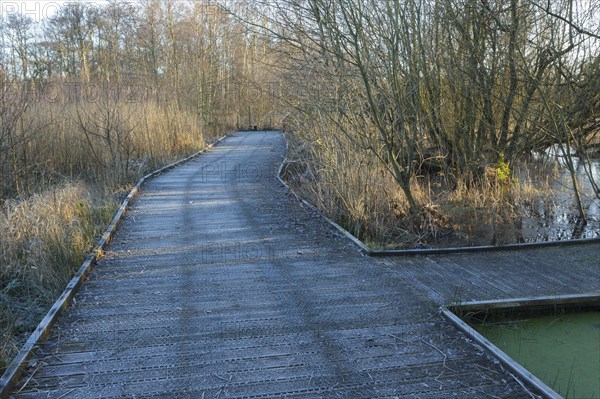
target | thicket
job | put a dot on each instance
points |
(407, 114)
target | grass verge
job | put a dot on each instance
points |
(43, 240)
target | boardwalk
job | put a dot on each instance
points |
(219, 284)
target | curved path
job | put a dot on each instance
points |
(220, 284)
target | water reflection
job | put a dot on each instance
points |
(552, 218)
(557, 218)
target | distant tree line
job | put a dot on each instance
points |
(96, 71)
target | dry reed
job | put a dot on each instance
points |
(353, 188)
(43, 239)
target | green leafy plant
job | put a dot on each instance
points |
(503, 170)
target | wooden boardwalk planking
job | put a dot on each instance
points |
(502, 275)
(219, 284)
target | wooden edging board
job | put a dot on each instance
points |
(549, 300)
(14, 370)
(506, 360)
(363, 247)
(484, 248)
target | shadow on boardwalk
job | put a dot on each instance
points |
(220, 284)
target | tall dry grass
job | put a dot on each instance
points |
(43, 239)
(353, 188)
(110, 143)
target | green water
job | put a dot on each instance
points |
(563, 351)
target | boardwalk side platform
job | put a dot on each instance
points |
(220, 284)
(447, 279)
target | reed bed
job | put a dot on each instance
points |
(353, 188)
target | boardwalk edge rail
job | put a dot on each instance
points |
(507, 361)
(366, 250)
(14, 370)
(363, 247)
(533, 382)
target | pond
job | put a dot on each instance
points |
(561, 350)
(554, 217)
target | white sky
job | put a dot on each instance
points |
(37, 10)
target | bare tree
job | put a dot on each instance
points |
(107, 125)
(14, 135)
(18, 32)
(71, 31)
